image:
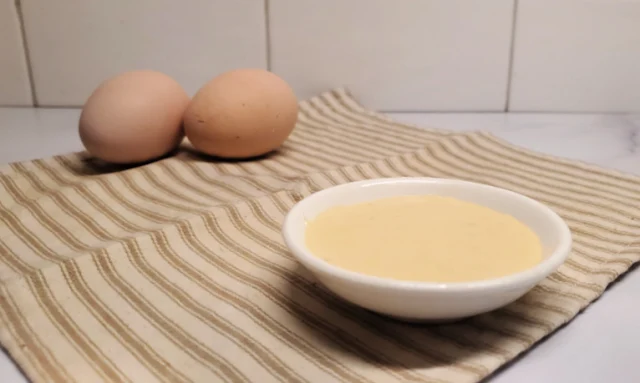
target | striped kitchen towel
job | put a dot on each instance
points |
(176, 271)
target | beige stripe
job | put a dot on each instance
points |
(314, 125)
(349, 107)
(86, 222)
(190, 239)
(333, 112)
(125, 327)
(23, 343)
(338, 146)
(573, 172)
(324, 150)
(206, 283)
(272, 227)
(52, 237)
(99, 195)
(210, 284)
(84, 344)
(344, 340)
(243, 247)
(158, 200)
(15, 266)
(311, 125)
(465, 171)
(464, 175)
(177, 336)
(73, 278)
(404, 161)
(182, 299)
(509, 168)
(88, 316)
(468, 169)
(481, 153)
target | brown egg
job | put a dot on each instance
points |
(133, 117)
(241, 114)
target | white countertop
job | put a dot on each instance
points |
(600, 345)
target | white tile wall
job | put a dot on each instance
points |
(577, 55)
(14, 77)
(396, 55)
(75, 44)
(409, 55)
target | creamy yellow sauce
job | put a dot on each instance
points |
(423, 238)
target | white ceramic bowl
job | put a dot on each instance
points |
(424, 301)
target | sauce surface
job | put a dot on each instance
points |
(423, 238)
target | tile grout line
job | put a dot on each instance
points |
(27, 56)
(511, 54)
(267, 25)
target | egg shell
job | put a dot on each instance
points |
(134, 117)
(242, 113)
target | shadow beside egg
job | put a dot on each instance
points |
(93, 166)
(192, 154)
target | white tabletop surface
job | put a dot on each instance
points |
(601, 345)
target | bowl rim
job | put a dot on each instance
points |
(529, 276)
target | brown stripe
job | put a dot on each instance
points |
(592, 176)
(465, 175)
(320, 128)
(163, 324)
(430, 165)
(223, 327)
(261, 318)
(504, 328)
(571, 194)
(328, 135)
(331, 111)
(94, 201)
(61, 319)
(345, 105)
(38, 212)
(189, 237)
(86, 222)
(340, 338)
(464, 172)
(45, 365)
(156, 200)
(347, 152)
(114, 324)
(179, 300)
(162, 373)
(13, 261)
(19, 230)
(173, 330)
(508, 168)
(58, 316)
(481, 145)
(118, 197)
(76, 334)
(160, 185)
(570, 262)
(574, 229)
(328, 300)
(294, 279)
